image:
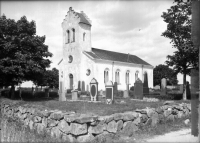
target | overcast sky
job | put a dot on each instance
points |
(133, 27)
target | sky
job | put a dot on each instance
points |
(133, 27)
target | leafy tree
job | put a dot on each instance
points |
(48, 78)
(178, 19)
(23, 54)
(163, 71)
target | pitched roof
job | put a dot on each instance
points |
(83, 19)
(115, 56)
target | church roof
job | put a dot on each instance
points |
(115, 56)
(83, 19)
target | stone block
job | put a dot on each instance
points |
(119, 125)
(118, 116)
(144, 118)
(129, 116)
(83, 118)
(71, 117)
(78, 129)
(137, 121)
(150, 112)
(112, 127)
(129, 128)
(40, 128)
(57, 115)
(55, 132)
(68, 138)
(64, 126)
(97, 129)
(37, 119)
(155, 119)
(52, 123)
(170, 118)
(85, 138)
(167, 113)
(31, 124)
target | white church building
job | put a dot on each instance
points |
(81, 62)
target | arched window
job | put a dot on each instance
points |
(127, 77)
(106, 75)
(68, 36)
(136, 75)
(117, 76)
(84, 36)
(73, 34)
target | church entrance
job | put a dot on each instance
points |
(71, 81)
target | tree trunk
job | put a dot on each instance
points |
(12, 91)
(184, 87)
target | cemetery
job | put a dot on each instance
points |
(93, 115)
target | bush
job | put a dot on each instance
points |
(132, 88)
(131, 94)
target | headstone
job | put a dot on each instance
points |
(115, 89)
(93, 89)
(126, 95)
(79, 85)
(194, 101)
(145, 84)
(47, 92)
(157, 87)
(74, 95)
(109, 93)
(83, 86)
(138, 89)
(163, 87)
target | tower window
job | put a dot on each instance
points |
(68, 36)
(84, 36)
(73, 35)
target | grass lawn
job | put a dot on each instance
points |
(88, 107)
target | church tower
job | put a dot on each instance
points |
(76, 34)
(76, 39)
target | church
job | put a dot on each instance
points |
(81, 62)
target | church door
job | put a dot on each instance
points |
(71, 81)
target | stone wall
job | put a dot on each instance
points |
(75, 127)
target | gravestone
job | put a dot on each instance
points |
(83, 86)
(74, 95)
(126, 95)
(194, 101)
(93, 89)
(47, 92)
(145, 84)
(115, 89)
(109, 92)
(138, 89)
(163, 86)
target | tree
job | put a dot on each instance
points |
(178, 19)
(48, 78)
(163, 71)
(23, 54)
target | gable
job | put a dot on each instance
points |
(115, 56)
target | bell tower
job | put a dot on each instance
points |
(76, 34)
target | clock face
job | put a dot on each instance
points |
(70, 58)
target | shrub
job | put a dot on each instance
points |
(132, 88)
(131, 94)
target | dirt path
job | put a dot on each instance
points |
(176, 136)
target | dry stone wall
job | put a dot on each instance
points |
(75, 127)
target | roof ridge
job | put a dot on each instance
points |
(113, 51)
